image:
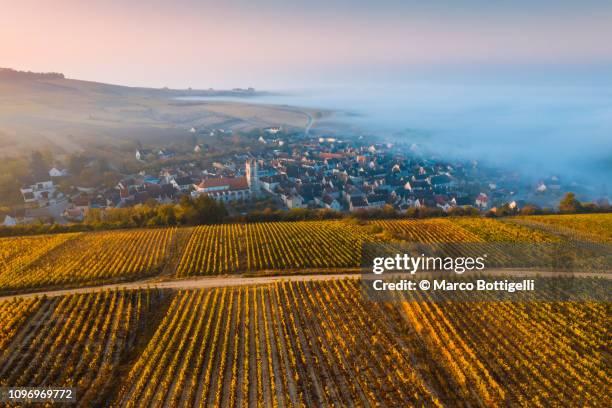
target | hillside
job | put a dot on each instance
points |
(51, 111)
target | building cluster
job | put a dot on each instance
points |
(312, 172)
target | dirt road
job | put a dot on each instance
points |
(238, 280)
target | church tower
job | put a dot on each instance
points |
(252, 175)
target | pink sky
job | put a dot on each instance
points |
(198, 44)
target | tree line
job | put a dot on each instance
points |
(205, 210)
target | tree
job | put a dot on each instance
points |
(166, 215)
(202, 210)
(39, 166)
(76, 164)
(529, 209)
(569, 204)
(504, 210)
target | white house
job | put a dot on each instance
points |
(293, 201)
(541, 188)
(55, 172)
(9, 221)
(141, 154)
(40, 191)
(181, 183)
(272, 130)
(269, 184)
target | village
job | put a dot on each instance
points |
(290, 170)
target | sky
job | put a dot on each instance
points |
(276, 44)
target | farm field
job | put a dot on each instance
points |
(308, 344)
(72, 341)
(70, 259)
(218, 249)
(92, 258)
(18, 252)
(590, 227)
(491, 230)
(427, 231)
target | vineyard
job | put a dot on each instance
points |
(490, 230)
(588, 227)
(428, 231)
(91, 258)
(218, 249)
(72, 341)
(307, 344)
(505, 244)
(69, 259)
(17, 253)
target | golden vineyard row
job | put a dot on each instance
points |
(307, 344)
(59, 260)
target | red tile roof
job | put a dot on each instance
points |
(239, 183)
(331, 156)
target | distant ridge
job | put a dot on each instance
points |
(9, 73)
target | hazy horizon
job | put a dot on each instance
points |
(280, 44)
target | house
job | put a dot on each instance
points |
(272, 130)
(142, 154)
(73, 214)
(443, 202)
(9, 221)
(55, 172)
(270, 183)
(376, 200)
(351, 191)
(37, 192)
(357, 203)
(418, 185)
(165, 154)
(126, 183)
(553, 183)
(328, 202)
(461, 201)
(81, 202)
(182, 183)
(441, 181)
(151, 180)
(224, 189)
(293, 201)
(516, 204)
(482, 201)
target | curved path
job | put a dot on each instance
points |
(239, 280)
(309, 124)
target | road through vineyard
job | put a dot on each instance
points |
(307, 343)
